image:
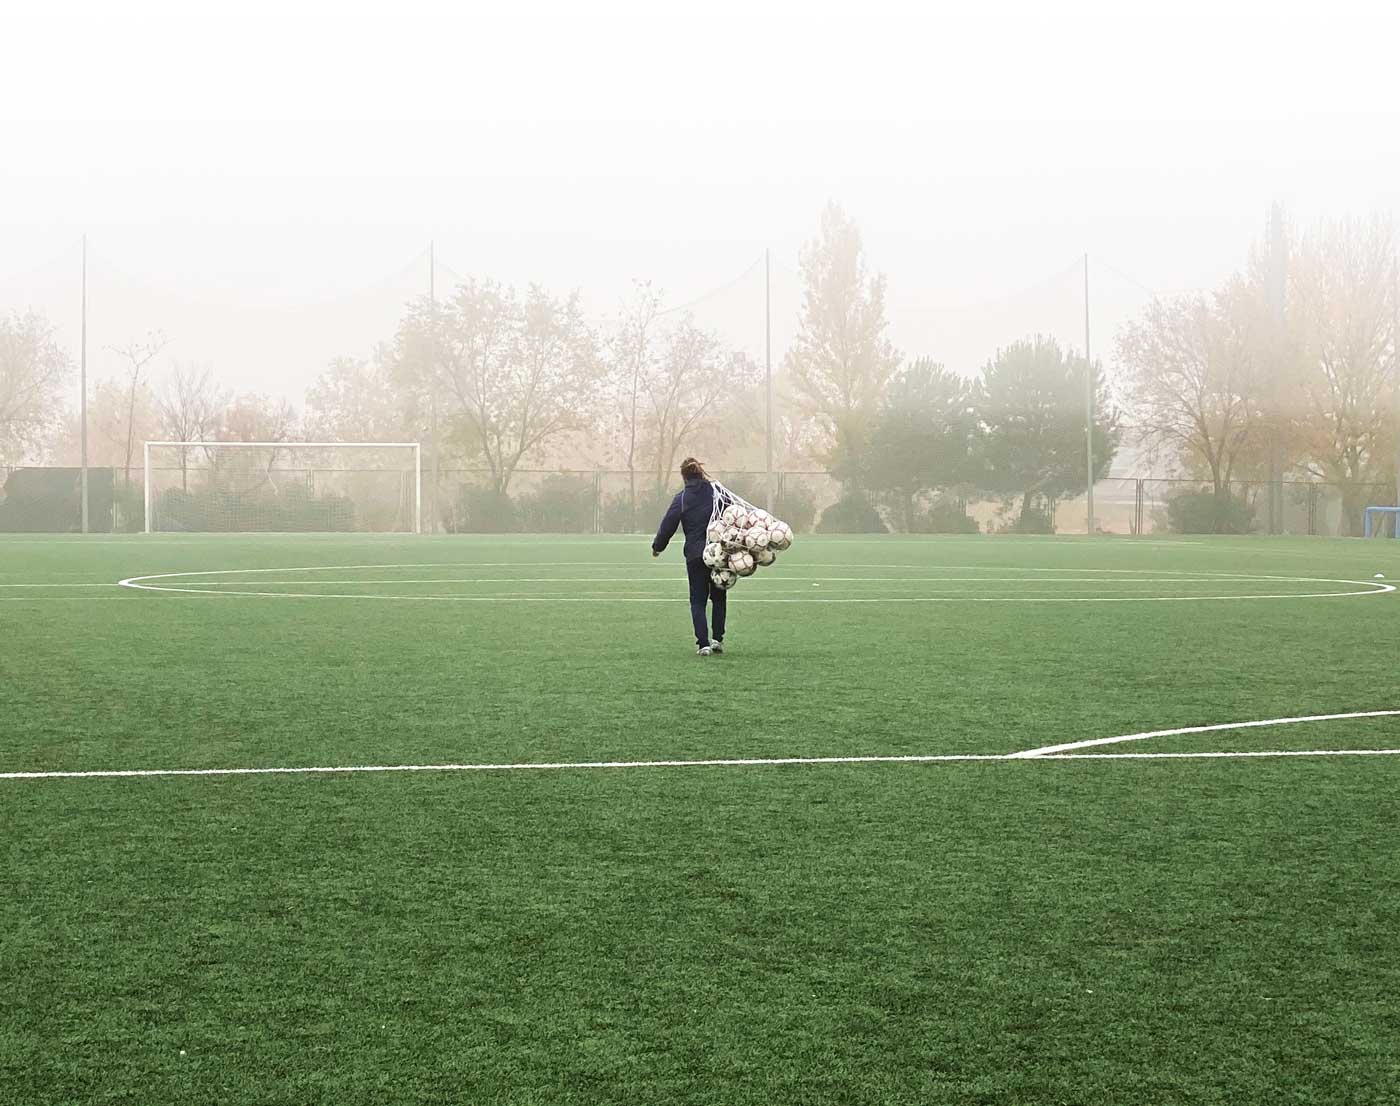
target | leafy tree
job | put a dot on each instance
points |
(1193, 369)
(1342, 285)
(33, 370)
(355, 400)
(1031, 401)
(923, 439)
(840, 360)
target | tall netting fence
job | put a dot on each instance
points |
(231, 488)
(215, 488)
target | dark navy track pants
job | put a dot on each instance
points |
(701, 591)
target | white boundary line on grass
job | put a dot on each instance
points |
(203, 585)
(1048, 752)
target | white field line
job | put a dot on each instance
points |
(667, 567)
(1217, 756)
(204, 586)
(737, 762)
(107, 584)
(744, 762)
(747, 599)
(1050, 750)
(672, 580)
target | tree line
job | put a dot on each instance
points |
(1286, 370)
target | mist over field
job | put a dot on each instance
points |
(269, 204)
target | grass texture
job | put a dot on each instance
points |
(989, 931)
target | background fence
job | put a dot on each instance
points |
(46, 500)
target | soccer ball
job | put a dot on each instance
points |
(764, 557)
(780, 537)
(732, 540)
(758, 518)
(714, 555)
(755, 539)
(714, 532)
(741, 564)
(734, 515)
(723, 579)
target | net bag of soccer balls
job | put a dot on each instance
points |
(741, 538)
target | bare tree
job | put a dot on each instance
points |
(1341, 304)
(137, 354)
(1192, 377)
(32, 371)
(190, 405)
(633, 358)
(694, 375)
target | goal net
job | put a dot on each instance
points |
(283, 487)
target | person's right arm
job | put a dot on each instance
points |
(669, 522)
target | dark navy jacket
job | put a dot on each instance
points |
(690, 510)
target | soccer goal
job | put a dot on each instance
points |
(284, 487)
(1373, 514)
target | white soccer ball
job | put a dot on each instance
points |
(755, 539)
(764, 557)
(714, 555)
(759, 518)
(780, 536)
(734, 515)
(742, 564)
(723, 579)
(714, 532)
(732, 539)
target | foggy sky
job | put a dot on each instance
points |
(263, 187)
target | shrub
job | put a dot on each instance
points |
(484, 511)
(560, 505)
(796, 504)
(851, 514)
(617, 513)
(49, 500)
(944, 516)
(1204, 512)
(1032, 520)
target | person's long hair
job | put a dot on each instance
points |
(691, 469)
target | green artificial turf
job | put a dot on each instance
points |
(982, 931)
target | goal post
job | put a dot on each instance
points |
(283, 487)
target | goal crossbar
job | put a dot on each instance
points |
(415, 446)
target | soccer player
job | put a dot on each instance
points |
(690, 510)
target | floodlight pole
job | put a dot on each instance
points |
(1395, 378)
(432, 390)
(82, 402)
(1088, 409)
(146, 467)
(768, 367)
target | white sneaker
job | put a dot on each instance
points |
(716, 647)
(703, 651)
